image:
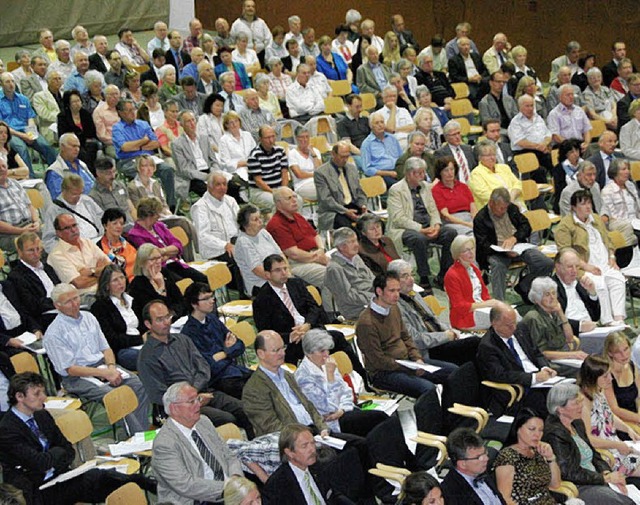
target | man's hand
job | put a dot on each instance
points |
(113, 376)
(545, 374)
(509, 243)
(352, 214)
(592, 269)
(452, 335)
(219, 356)
(14, 342)
(229, 248)
(334, 416)
(320, 257)
(587, 283)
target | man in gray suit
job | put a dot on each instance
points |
(462, 153)
(190, 98)
(36, 82)
(373, 76)
(190, 460)
(340, 197)
(193, 156)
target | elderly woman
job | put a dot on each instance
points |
(549, 327)
(278, 80)
(579, 462)
(489, 175)
(150, 283)
(74, 119)
(304, 159)
(208, 48)
(23, 59)
(579, 77)
(376, 250)
(405, 100)
(321, 382)
(228, 65)
(453, 198)
(210, 121)
(245, 56)
(420, 488)
(332, 64)
(235, 146)
(94, 81)
(426, 123)
(623, 396)
(600, 422)
(526, 468)
(600, 100)
(268, 101)
(566, 170)
(168, 87)
(519, 55)
(17, 167)
(620, 195)
(409, 82)
(465, 288)
(171, 129)
(586, 233)
(114, 311)
(438, 116)
(630, 133)
(132, 89)
(241, 491)
(151, 110)
(120, 251)
(148, 229)
(528, 86)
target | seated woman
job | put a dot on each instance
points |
(620, 198)
(113, 244)
(579, 462)
(268, 101)
(420, 488)
(240, 491)
(245, 56)
(566, 169)
(527, 86)
(586, 233)
(376, 249)
(629, 137)
(149, 230)
(549, 328)
(438, 116)
(235, 147)
(228, 65)
(219, 346)
(94, 81)
(390, 55)
(332, 64)
(600, 422)
(623, 396)
(170, 130)
(600, 100)
(519, 54)
(276, 49)
(303, 161)
(119, 323)
(168, 87)
(132, 90)
(151, 110)
(279, 81)
(150, 284)
(453, 198)
(17, 167)
(409, 82)
(74, 119)
(527, 467)
(465, 288)
(210, 121)
(405, 100)
(320, 381)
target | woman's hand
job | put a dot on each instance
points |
(545, 451)
(615, 478)
(623, 448)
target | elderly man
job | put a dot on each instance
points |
(232, 101)
(436, 81)
(462, 30)
(76, 79)
(190, 98)
(83, 44)
(191, 70)
(160, 40)
(507, 354)
(569, 59)
(467, 67)
(66, 163)
(81, 355)
(496, 104)
(175, 55)
(192, 40)
(117, 70)
(380, 151)
(110, 193)
(105, 116)
(340, 196)
(207, 82)
(17, 214)
(317, 79)
(417, 147)
(585, 179)
(500, 223)
(498, 54)
(98, 60)
(46, 48)
(368, 27)
(373, 76)
(38, 80)
(405, 37)
(414, 222)
(63, 64)
(605, 155)
(398, 120)
(566, 121)
(16, 111)
(463, 485)
(303, 100)
(223, 37)
(268, 169)
(462, 153)
(295, 29)
(190, 460)
(132, 53)
(528, 133)
(254, 28)
(253, 116)
(309, 46)
(347, 276)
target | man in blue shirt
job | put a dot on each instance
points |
(132, 138)
(76, 79)
(380, 151)
(16, 111)
(67, 163)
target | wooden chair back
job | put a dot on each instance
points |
(129, 494)
(218, 275)
(24, 362)
(120, 402)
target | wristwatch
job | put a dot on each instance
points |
(93, 272)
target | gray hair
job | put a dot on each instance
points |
(76, 29)
(403, 63)
(61, 43)
(21, 53)
(585, 165)
(565, 87)
(66, 137)
(415, 134)
(422, 90)
(559, 395)
(172, 394)
(259, 79)
(53, 73)
(459, 242)
(539, 287)
(93, 76)
(59, 290)
(341, 235)
(280, 192)
(524, 98)
(301, 130)
(316, 340)
(450, 125)
(500, 195)
(293, 19)
(226, 75)
(236, 489)
(242, 36)
(162, 71)
(272, 62)
(389, 88)
(374, 116)
(593, 71)
(572, 46)
(352, 16)
(615, 166)
(215, 174)
(483, 146)
(399, 266)
(414, 163)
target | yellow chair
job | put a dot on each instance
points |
(538, 219)
(321, 143)
(368, 101)
(180, 234)
(129, 494)
(218, 276)
(36, 198)
(598, 127)
(461, 89)
(374, 187)
(467, 128)
(635, 170)
(390, 472)
(516, 391)
(617, 239)
(12, 65)
(286, 132)
(141, 69)
(284, 145)
(555, 154)
(461, 107)
(183, 284)
(530, 190)
(229, 431)
(333, 105)
(345, 367)
(24, 362)
(434, 304)
(437, 441)
(526, 162)
(120, 402)
(315, 293)
(340, 88)
(244, 331)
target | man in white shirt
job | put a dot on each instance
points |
(398, 120)
(303, 100)
(160, 41)
(295, 27)
(317, 80)
(367, 27)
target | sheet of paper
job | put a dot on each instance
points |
(636, 224)
(123, 372)
(336, 443)
(347, 331)
(631, 271)
(236, 310)
(505, 419)
(518, 248)
(575, 363)
(29, 183)
(602, 331)
(57, 404)
(203, 266)
(70, 474)
(176, 326)
(552, 381)
(27, 338)
(549, 249)
(417, 288)
(129, 447)
(417, 366)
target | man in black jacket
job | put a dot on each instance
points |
(475, 75)
(622, 107)
(437, 82)
(500, 223)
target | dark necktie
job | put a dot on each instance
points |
(514, 352)
(231, 104)
(33, 426)
(207, 455)
(479, 479)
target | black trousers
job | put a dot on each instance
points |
(361, 422)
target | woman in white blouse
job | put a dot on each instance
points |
(235, 146)
(620, 195)
(210, 122)
(242, 54)
(630, 133)
(342, 45)
(303, 160)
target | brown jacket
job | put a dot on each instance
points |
(570, 234)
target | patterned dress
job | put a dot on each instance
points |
(531, 478)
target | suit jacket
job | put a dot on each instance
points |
(507, 154)
(268, 410)
(269, 312)
(622, 109)
(149, 75)
(31, 292)
(182, 101)
(96, 63)
(31, 85)
(407, 39)
(180, 469)
(457, 491)
(185, 161)
(216, 87)
(593, 306)
(366, 81)
(400, 207)
(170, 60)
(458, 70)
(438, 84)
(489, 109)
(113, 325)
(467, 150)
(24, 461)
(601, 175)
(47, 108)
(570, 234)
(330, 195)
(283, 488)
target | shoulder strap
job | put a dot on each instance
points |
(60, 203)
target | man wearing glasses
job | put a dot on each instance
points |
(467, 483)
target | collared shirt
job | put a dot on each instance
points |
(43, 441)
(64, 69)
(355, 129)
(420, 213)
(252, 120)
(379, 76)
(301, 477)
(289, 395)
(292, 232)
(131, 53)
(104, 119)
(304, 100)
(297, 317)
(257, 31)
(156, 43)
(125, 132)
(16, 112)
(127, 313)
(201, 163)
(598, 253)
(15, 206)
(117, 197)
(482, 489)
(75, 81)
(278, 85)
(67, 260)
(569, 123)
(238, 103)
(380, 154)
(42, 275)
(403, 118)
(268, 165)
(470, 67)
(8, 313)
(208, 472)
(189, 43)
(215, 222)
(522, 128)
(576, 309)
(61, 168)
(86, 207)
(319, 81)
(503, 226)
(379, 309)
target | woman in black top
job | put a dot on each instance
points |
(74, 119)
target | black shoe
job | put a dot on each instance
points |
(146, 483)
(438, 283)
(426, 285)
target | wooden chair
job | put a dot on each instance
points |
(183, 284)
(461, 89)
(467, 128)
(129, 494)
(36, 198)
(555, 154)
(218, 276)
(333, 105)
(530, 190)
(394, 473)
(75, 427)
(431, 440)
(635, 170)
(340, 88)
(141, 69)
(12, 65)
(526, 162)
(598, 127)
(315, 293)
(120, 402)
(284, 145)
(229, 431)
(434, 304)
(461, 107)
(374, 187)
(321, 143)
(368, 101)
(24, 362)
(180, 234)
(244, 331)
(538, 219)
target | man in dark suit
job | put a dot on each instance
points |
(476, 78)
(605, 155)
(175, 55)
(624, 103)
(33, 280)
(97, 60)
(405, 37)
(504, 154)
(462, 153)
(157, 61)
(33, 450)
(436, 81)
(463, 484)
(507, 354)
(291, 62)
(610, 69)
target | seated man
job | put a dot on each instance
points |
(157, 62)
(76, 79)
(190, 460)
(98, 60)
(436, 82)
(498, 54)
(291, 62)
(117, 70)
(191, 70)
(417, 146)
(414, 221)
(383, 339)
(569, 59)
(253, 116)
(353, 127)
(500, 223)
(373, 76)
(76, 260)
(33, 279)
(463, 29)
(232, 101)
(38, 80)
(17, 214)
(504, 155)
(380, 151)
(167, 358)
(348, 278)
(506, 354)
(67, 163)
(16, 111)
(33, 450)
(398, 120)
(105, 115)
(496, 104)
(566, 121)
(133, 137)
(217, 344)
(317, 79)
(82, 357)
(528, 133)
(110, 193)
(585, 179)
(303, 100)
(207, 82)
(190, 98)
(467, 67)
(160, 41)
(132, 53)
(309, 45)
(604, 156)
(175, 55)
(46, 49)
(47, 104)
(462, 153)
(63, 64)
(340, 196)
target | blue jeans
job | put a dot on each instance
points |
(128, 358)
(39, 144)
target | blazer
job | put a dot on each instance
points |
(216, 87)
(269, 312)
(31, 292)
(27, 322)
(170, 60)
(96, 63)
(88, 130)
(593, 306)
(113, 325)
(30, 86)
(182, 102)
(46, 107)
(467, 151)
(459, 289)
(458, 70)
(507, 154)
(570, 234)
(142, 292)
(185, 161)
(400, 207)
(366, 81)
(268, 410)
(601, 175)
(283, 488)
(149, 75)
(180, 469)
(457, 491)
(24, 461)
(485, 232)
(330, 195)
(373, 257)
(489, 109)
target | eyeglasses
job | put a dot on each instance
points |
(162, 319)
(207, 299)
(484, 455)
(70, 227)
(193, 401)
(279, 349)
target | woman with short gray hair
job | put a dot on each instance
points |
(268, 101)
(304, 159)
(94, 81)
(320, 380)
(376, 249)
